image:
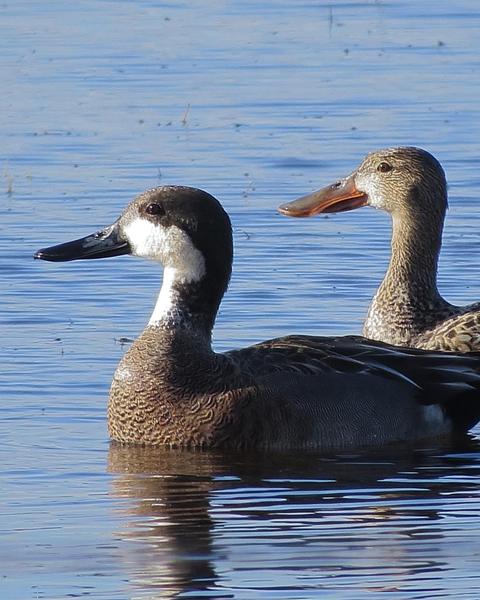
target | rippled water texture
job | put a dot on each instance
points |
(257, 102)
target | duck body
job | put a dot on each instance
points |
(407, 309)
(171, 388)
(405, 318)
(261, 397)
(291, 392)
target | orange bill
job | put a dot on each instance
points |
(338, 197)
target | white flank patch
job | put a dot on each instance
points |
(434, 417)
(172, 247)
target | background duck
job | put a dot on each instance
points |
(407, 309)
(172, 389)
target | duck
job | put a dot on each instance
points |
(172, 389)
(407, 309)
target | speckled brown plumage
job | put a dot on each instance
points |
(171, 389)
(407, 309)
(460, 333)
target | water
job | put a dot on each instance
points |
(257, 102)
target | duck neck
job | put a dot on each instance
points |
(185, 305)
(414, 259)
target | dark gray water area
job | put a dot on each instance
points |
(256, 102)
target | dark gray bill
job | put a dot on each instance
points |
(102, 244)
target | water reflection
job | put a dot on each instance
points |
(169, 524)
(222, 526)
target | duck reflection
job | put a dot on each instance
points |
(203, 524)
(169, 524)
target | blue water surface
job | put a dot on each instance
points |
(257, 102)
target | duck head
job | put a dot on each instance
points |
(185, 229)
(401, 181)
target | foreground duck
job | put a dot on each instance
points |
(407, 309)
(172, 389)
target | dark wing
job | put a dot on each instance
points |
(442, 377)
(310, 355)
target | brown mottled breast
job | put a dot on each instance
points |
(460, 333)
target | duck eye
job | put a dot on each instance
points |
(384, 167)
(155, 209)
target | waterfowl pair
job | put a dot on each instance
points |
(407, 309)
(172, 389)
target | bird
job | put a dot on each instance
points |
(407, 309)
(172, 389)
